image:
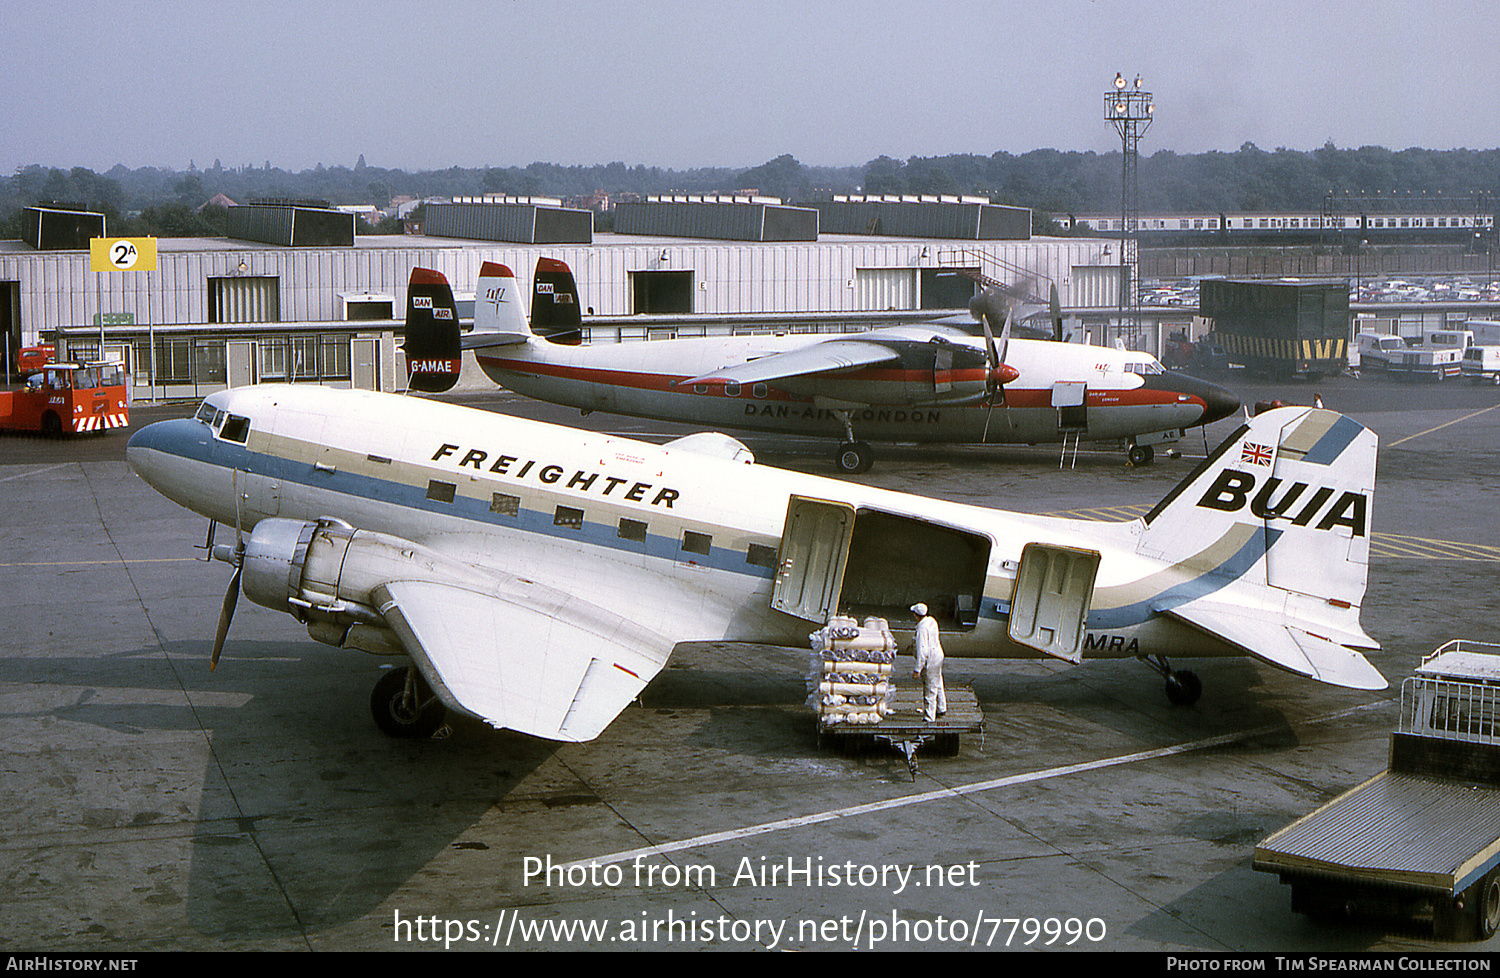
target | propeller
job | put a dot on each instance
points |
(997, 372)
(232, 596)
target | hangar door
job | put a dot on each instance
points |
(835, 559)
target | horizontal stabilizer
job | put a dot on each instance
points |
(523, 657)
(1286, 646)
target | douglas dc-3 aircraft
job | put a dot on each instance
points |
(934, 382)
(537, 576)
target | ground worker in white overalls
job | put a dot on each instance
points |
(929, 668)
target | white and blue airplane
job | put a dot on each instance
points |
(537, 576)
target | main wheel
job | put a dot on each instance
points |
(1141, 454)
(399, 712)
(854, 457)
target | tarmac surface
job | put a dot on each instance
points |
(147, 803)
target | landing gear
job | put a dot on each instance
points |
(854, 457)
(1183, 686)
(1140, 454)
(404, 706)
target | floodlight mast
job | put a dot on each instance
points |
(1130, 109)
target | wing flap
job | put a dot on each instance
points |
(1283, 645)
(524, 657)
(819, 358)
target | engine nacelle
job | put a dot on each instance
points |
(322, 572)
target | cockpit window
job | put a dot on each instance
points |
(235, 429)
(1145, 367)
(205, 413)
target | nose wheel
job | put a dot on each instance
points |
(1140, 454)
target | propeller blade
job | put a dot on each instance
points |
(1057, 325)
(226, 615)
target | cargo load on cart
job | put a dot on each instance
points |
(852, 688)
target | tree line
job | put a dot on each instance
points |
(170, 203)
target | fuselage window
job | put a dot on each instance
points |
(441, 492)
(696, 543)
(633, 530)
(504, 504)
(761, 555)
(235, 429)
(568, 516)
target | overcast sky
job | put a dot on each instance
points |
(687, 83)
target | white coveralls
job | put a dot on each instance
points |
(929, 653)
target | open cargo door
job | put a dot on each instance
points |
(814, 551)
(1054, 589)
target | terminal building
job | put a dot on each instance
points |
(296, 296)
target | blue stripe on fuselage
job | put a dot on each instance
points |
(195, 441)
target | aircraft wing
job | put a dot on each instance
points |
(1281, 644)
(523, 656)
(819, 358)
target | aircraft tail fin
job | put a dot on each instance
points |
(1284, 503)
(433, 354)
(556, 314)
(498, 317)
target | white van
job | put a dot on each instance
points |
(1375, 351)
(1482, 363)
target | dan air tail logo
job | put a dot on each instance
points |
(1230, 493)
(421, 302)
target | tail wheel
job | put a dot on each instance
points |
(1184, 687)
(404, 706)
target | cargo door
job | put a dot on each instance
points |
(1070, 397)
(814, 551)
(1054, 590)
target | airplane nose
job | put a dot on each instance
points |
(1217, 402)
(1220, 402)
(148, 446)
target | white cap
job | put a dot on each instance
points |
(919, 609)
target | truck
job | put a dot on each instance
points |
(1423, 836)
(68, 398)
(1279, 328)
(1438, 356)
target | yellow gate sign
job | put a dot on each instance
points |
(122, 254)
